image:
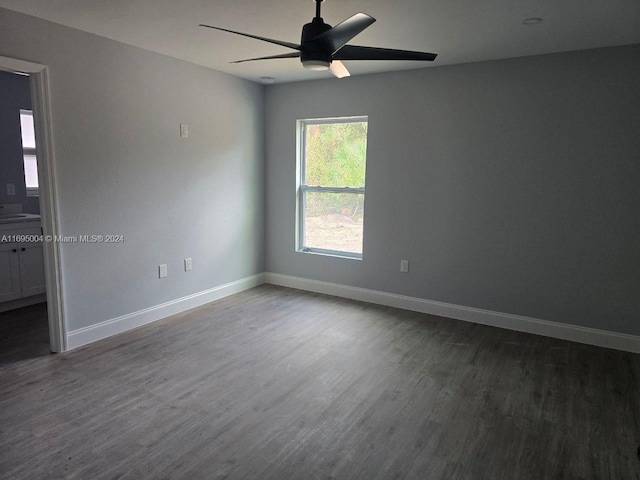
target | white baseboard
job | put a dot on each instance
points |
(590, 336)
(108, 328)
(22, 302)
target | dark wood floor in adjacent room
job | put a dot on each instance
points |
(281, 384)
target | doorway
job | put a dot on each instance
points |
(23, 315)
(31, 308)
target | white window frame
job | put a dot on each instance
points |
(31, 191)
(302, 188)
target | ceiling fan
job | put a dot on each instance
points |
(323, 47)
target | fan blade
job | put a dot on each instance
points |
(336, 38)
(338, 69)
(354, 52)
(284, 55)
(295, 46)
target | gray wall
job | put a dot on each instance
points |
(511, 186)
(15, 95)
(122, 169)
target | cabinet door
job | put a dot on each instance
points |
(31, 269)
(9, 272)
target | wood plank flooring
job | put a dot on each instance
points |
(275, 383)
(24, 334)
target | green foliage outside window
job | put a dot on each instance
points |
(335, 156)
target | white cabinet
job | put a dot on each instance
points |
(31, 269)
(9, 272)
(21, 263)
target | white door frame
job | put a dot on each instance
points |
(39, 79)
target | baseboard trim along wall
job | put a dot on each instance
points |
(108, 328)
(590, 336)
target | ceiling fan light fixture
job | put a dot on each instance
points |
(316, 65)
(323, 47)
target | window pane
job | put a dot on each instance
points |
(336, 154)
(333, 221)
(27, 129)
(31, 171)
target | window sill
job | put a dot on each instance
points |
(333, 254)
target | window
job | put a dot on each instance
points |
(332, 157)
(29, 154)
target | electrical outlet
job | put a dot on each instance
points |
(188, 265)
(184, 130)
(162, 270)
(11, 189)
(404, 266)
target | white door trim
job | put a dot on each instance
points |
(39, 77)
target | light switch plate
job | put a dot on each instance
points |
(184, 130)
(162, 270)
(404, 266)
(188, 265)
(11, 189)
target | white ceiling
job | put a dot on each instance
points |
(459, 31)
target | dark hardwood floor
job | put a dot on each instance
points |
(281, 384)
(24, 334)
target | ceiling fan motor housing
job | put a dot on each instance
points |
(310, 52)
